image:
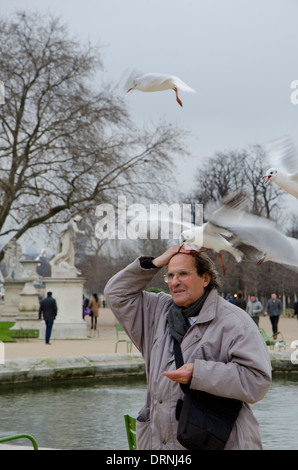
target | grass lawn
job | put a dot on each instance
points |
(6, 335)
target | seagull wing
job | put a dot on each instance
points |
(259, 233)
(126, 80)
(282, 155)
(182, 86)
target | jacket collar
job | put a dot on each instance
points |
(209, 308)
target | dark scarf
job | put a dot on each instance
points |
(177, 316)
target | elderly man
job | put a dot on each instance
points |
(224, 353)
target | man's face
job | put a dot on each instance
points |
(252, 298)
(190, 287)
(273, 296)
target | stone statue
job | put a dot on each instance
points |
(63, 261)
(12, 256)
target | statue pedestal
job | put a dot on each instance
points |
(10, 309)
(28, 307)
(69, 323)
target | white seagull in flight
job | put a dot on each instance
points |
(151, 82)
(255, 236)
(210, 236)
(283, 159)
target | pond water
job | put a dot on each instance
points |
(88, 414)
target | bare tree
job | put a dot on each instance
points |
(221, 175)
(293, 229)
(265, 199)
(232, 171)
(65, 146)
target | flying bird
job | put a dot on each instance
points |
(283, 159)
(210, 236)
(151, 82)
(198, 237)
(255, 236)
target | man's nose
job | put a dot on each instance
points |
(175, 280)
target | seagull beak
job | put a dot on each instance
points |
(129, 90)
(268, 178)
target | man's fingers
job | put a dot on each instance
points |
(181, 375)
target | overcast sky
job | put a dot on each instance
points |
(239, 55)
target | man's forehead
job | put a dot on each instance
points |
(181, 261)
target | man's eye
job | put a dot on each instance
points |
(183, 274)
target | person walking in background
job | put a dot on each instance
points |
(296, 308)
(254, 308)
(240, 301)
(48, 309)
(94, 305)
(230, 299)
(274, 309)
(86, 309)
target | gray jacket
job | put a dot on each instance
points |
(229, 354)
(274, 308)
(254, 306)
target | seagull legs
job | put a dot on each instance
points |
(222, 263)
(177, 97)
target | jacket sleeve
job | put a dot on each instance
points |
(133, 307)
(259, 307)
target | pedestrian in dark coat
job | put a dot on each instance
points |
(296, 308)
(274, 309)
(240, 301)
(48, 309)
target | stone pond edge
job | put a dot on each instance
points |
(24, 370)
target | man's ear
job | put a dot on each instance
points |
(206, 279)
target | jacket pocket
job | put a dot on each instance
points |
(202, 352)
(144, 438)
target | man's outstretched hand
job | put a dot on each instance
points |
(182, 375)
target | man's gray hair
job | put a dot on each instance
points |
(205, 265)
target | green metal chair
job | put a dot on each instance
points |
(130, 425)
(266, 338)
(270, 341)
(121, 339)
(20, 436)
